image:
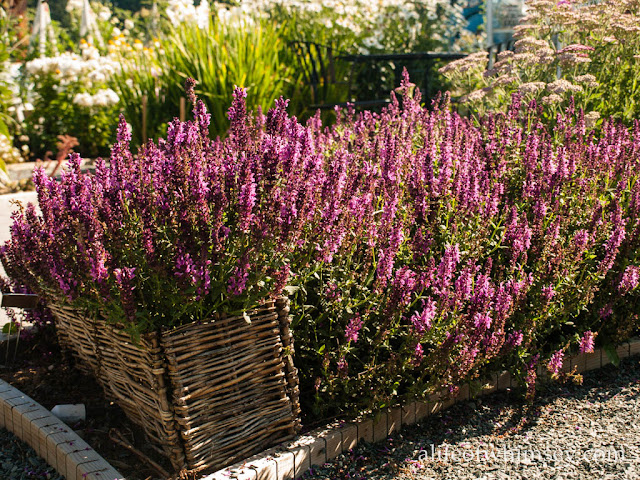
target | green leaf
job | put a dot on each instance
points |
(610, 350)
(9, 328)
(4, 130)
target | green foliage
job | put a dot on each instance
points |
(219, 57)
(224, 56)
(137, 82)
(57, 112)
(10, 328)
(586, 51)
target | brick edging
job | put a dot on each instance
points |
(323, 445)
(52, 439)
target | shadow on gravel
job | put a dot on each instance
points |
(495, 418)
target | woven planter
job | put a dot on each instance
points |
(206, 394)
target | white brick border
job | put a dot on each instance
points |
(323, 445)
(52, 439)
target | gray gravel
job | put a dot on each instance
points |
(589, 431)
(18, 461)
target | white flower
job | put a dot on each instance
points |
(181, 11)
(563, 86)
(591, 118)
(104, 14)
(74, 5)
(203, 15)
(531, 87)
(97, 76)
(83, 100)
(128, 24)
(587, 79)
(551, 99)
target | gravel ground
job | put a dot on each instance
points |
(588, 431)
(18, 461)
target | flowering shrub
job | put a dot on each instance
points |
(588, 51)
(496, 245)
(423, 248)
(70, 96)
(186, 228)
(366, 27)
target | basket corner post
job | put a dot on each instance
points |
(283, 307)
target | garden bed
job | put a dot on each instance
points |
(596, 419)
(40, 371)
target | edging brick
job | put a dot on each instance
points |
(327, 443)
(52, 439)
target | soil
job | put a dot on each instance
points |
(41, 371)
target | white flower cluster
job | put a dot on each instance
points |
(74, 5)
(102, 98)
(371, 20)
(9, 76)
(184, 11)
(71, 66)
(563, 86)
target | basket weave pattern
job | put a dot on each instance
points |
(206, 394)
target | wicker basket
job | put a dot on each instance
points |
(206, 394)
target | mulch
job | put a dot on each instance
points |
(42, 372)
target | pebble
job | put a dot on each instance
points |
(571, 432)
(18, 461)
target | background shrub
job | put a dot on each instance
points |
(588, 52)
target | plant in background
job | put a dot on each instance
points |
(587, 51)
(8, 45)
(110, 22)
(366, 27)
(358, 27)
(70, 96)
(142, 90)
(219, 55)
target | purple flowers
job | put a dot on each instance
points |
(453, 242)
(555, 362)
(630, 279)
(514, 339)
(587, 342)
(422, 321)
(353, 328)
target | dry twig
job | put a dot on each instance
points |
(117, 437)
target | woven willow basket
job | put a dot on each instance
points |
(206, 394)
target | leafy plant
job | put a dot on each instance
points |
(586, 51)
(70, 96)
(422, 248)
(222, 56)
